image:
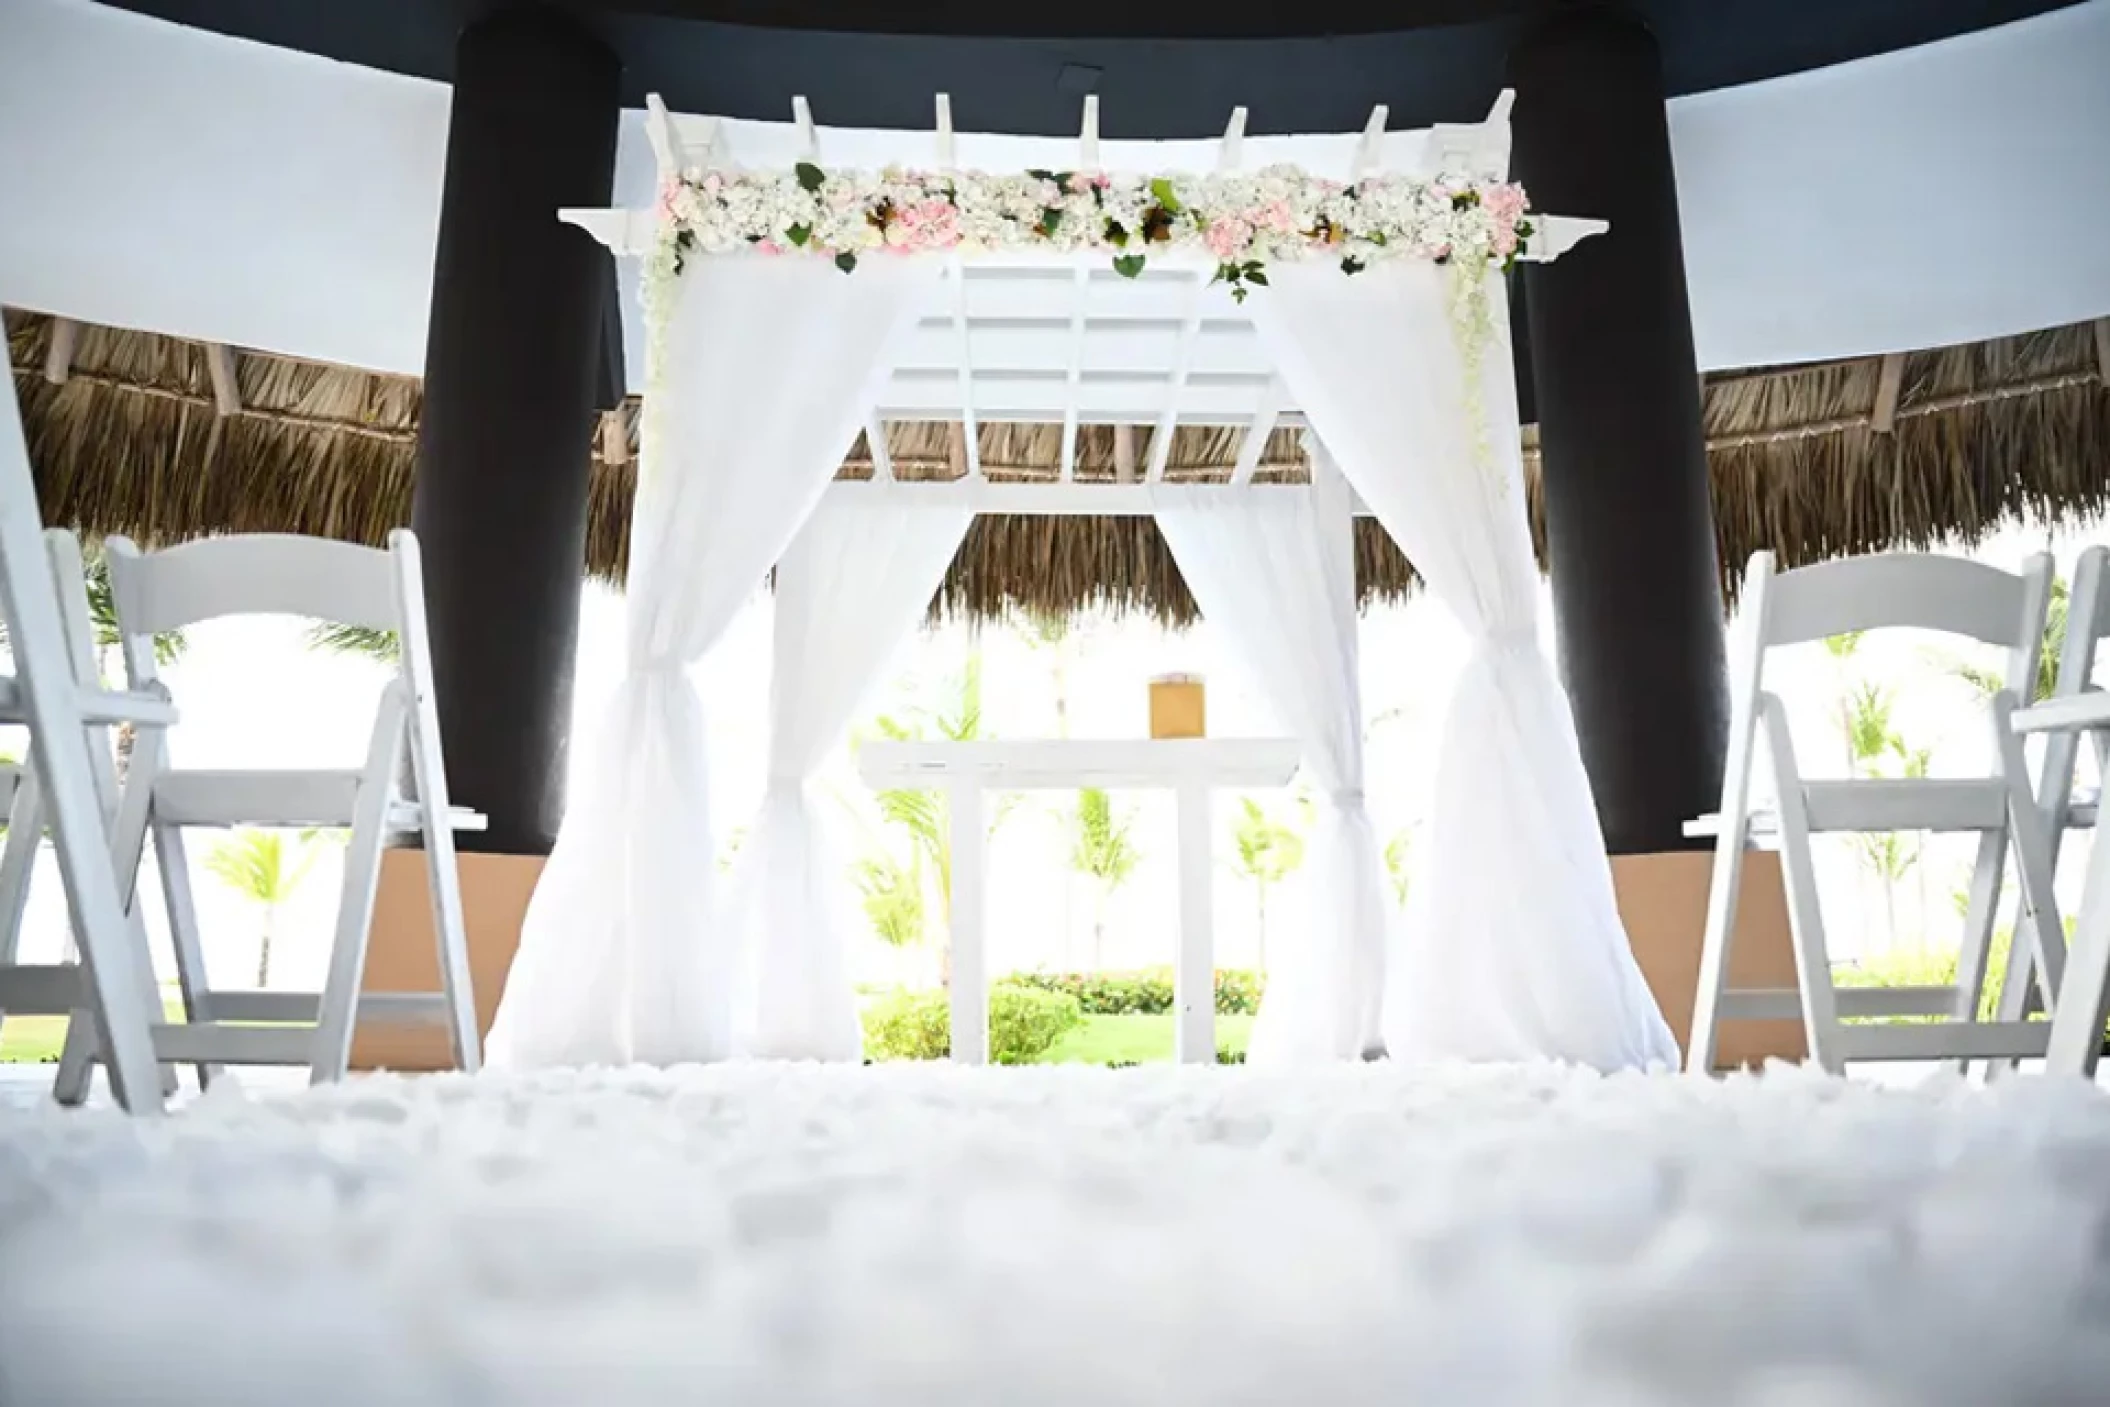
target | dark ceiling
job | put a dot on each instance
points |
(1020, 65)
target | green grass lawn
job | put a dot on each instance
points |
(27, 1040)
(1103, 1039)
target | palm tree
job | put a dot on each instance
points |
(361, 641)
(1269, 851)
(893, 898)
(256, 865)
(924, 815)
(1102, 848)
(109, 641)
(1986, 683)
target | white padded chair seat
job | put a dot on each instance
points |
(306, 798)
(1912, 804)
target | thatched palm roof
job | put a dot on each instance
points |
(1811, 461)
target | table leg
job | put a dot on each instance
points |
(970, 976)
(1194, 974)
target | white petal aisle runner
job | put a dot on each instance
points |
(757, 1234)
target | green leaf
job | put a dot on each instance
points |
(1525, 229)
(1128, 265)
(1117, 234)
(1465, 200)
(1351, 265)
(846, 261)
(1256, 276)
(1161, 191)
(799, 234)
(810, 176)
(1051, 220)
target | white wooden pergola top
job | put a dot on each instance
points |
(1060, 338)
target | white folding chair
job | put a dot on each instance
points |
(27, 815)
(112, 978)
(1900, 591)
(2077, 709)
(344, 584)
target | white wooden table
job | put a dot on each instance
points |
(1191, 768)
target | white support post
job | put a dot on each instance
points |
(1124, 454)
(1081, 292)
(226, 388)
(1232, 153)
(1194, 974)
(802, 119)
(882, 456)
(58, 358)
(970, 976)
(1182, 361)
(666, 142)
(615, 436)
(1254, 446)
(1890, 379)
(1369, 152)
(957, 272)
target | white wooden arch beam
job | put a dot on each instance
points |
(1229, 154)
(970, 428)
(58, 356)
(1080, 297)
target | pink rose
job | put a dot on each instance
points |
(1505, 203)
(1228, 238)
(768, 246)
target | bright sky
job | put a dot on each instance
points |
(253, 695)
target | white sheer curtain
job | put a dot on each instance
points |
(1273, 569)
(762, 374)
(852, 587)
(1515, 949)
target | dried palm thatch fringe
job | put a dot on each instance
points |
(133, 442)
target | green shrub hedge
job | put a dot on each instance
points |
(1144, 993)
(1024, 1024)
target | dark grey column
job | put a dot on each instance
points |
(1629, 517)
(513, 374)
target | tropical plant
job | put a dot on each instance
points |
(1269, 851)
(360, 641)
(109, 641)
(1397, 850)
(1102, 848)
(893, 898)
(1986, 682)
(924, 816)
(259, 866)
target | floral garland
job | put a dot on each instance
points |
(1242, 220)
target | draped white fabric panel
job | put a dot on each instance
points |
(853, 586)
(769, 367)
(1274, 572)
(1515, 949)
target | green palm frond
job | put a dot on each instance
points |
(381, 646)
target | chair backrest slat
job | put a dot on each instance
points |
(261, 574)
(1898, 591)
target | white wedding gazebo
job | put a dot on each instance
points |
(801, 290)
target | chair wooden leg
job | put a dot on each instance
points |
(173, 859)
(449, 924)
(2078, 1017)
(339, 1013)
(1980, 916)
(1813, 970)
(1724, 888)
